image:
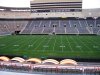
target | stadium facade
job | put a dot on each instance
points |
(45, 18)
(67, 22)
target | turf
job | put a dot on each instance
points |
(51, 46)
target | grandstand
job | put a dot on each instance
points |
(51, 26)
(53, 36)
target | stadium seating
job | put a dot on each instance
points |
(77, 26)
(49, 26)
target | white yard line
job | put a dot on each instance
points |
(32, 44)
(77, 44)
(13, 44)
(40, 43)
(23, 43)
(35, 40)
(69, 44)
(54, 44)
(47, 43)
(85, 45)
(61, 44)
(92, 43)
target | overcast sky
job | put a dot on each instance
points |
(26, 3)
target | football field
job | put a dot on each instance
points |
(39, 46)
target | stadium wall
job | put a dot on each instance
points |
(22, 15)
(91, 12)
(26, 14)
(14, 15)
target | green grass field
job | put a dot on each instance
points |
(73, 46)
